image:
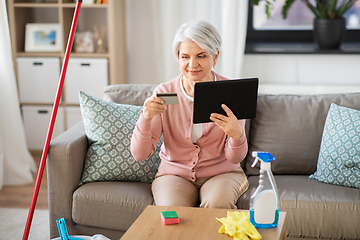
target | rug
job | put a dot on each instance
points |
(12, 224)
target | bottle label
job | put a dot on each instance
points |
(265, 207)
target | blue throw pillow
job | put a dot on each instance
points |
(109, 127)
(339, 156)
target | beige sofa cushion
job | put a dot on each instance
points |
(113, 205)
(314, 209)
(132, 94)
(290, 128)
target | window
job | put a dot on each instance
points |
(299, 17)
(297, 27)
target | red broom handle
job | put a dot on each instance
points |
(52, 121)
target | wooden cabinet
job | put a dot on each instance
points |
(110, 15)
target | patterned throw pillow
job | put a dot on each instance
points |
(339, 156)
(109, 127)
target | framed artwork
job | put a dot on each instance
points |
(43, 37)
(84, 42)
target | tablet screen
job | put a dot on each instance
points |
(240, 95)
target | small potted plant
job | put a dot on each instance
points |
(329, 23)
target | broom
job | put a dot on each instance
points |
(52, 121)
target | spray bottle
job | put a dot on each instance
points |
(264, 208)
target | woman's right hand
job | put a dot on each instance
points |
(153, 106)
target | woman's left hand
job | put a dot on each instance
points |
(229, 124)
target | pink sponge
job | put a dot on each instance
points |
(169, 217)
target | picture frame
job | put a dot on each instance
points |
(84, 42)
(43, 37)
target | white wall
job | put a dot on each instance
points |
(304, 73)
(278, 73)
(152, 25)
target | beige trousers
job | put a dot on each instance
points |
(220, 191)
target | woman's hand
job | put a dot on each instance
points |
(229, 124)
(153, 106)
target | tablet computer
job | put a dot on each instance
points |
(240, 95)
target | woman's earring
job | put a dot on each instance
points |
(213, 67)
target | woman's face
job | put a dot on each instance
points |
(195, 63)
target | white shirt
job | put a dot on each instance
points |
(197, 127)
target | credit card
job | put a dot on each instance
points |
(169, 98)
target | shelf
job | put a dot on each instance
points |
(110, 15)
(63, 104)
(72, 5)
(59, 54)
(40, 104)
(38, 54)
(299, 48)
(52, 5)
(89, 55)
(36, 5)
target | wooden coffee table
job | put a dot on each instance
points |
(195, 223)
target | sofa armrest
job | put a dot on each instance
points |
(64, 169)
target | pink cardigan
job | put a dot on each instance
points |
(214, 152)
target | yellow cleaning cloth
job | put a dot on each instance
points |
(238, 226)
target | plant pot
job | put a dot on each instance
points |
(329, 33)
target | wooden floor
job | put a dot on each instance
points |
(20, 196)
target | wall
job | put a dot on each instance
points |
(278, 73)
(142, 54)
(304, 73)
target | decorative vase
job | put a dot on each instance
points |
(329, 33)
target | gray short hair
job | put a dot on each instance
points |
(202, 33)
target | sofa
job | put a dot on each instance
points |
(290, 127)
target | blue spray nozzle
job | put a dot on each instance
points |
(263, 156)
(64, 235)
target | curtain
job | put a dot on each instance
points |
(16, 163)
(151, 27)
